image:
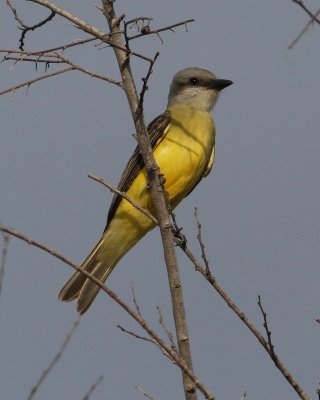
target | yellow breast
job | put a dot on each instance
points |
(184, 153)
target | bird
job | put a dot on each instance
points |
(182, 140)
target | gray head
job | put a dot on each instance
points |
(197, 87)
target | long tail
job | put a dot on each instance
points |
(122, 235)
(82, 288)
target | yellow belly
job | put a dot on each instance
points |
(182, 156)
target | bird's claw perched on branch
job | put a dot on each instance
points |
(181, 239)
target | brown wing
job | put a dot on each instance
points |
(156, 130)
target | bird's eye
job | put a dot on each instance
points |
(194, 81)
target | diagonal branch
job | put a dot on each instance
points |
(206, 273)
(174, 356)
(146, 32)
(87, 27)
(147, 395)
(16, 16)
(93, 387)
(303, 6)
(50, 50)
(39, 78)
(124, 196)
(304, 30)
(86, 71)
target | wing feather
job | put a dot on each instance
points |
(156, 131)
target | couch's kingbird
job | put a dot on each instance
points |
(182, 139)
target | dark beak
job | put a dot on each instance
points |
(220, 84)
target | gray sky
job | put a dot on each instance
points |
(259, 207)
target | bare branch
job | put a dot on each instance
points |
(145, 84)
(24, 27)
(146, 32)
(304, 30)
(223, 294)
(311, 15)
(175, 357)
(39, 78)
(148, 396)
(168, 333)
(136, 22)
(25, 53)
(6, 239)
(199, 237)
(34, 27)
(124, 196)
(46, 51)
(66, 46)
(86, 71)
(16, 16)
(93, 387)
(136, 304)
(57, 357)
(34, 60)
(135, 335)
(87, 27)
(266, 327)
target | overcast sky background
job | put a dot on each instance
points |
(259, 207)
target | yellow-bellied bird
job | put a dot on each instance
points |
(182, 140)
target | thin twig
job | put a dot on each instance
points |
(144, 338)
(57, 357)
(34, 27)
(26, 53)
(59, 59)
(86, 71)
(145, 84)
(223, 294)
(160, 343)
(157, 31)
(39, 78)
(199, 237)
(135, 21)
(147, 395)
(87, 27)
(124, 196)
(50, 50)
(266, 327)
(135, 335)
(65, 46)
(6, 239)
(93, 387)
(16, 16)
(168, 333)
(134, 299)
(34, 60)
(304, 30)
(311, 15)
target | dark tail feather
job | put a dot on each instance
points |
(89, 289)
